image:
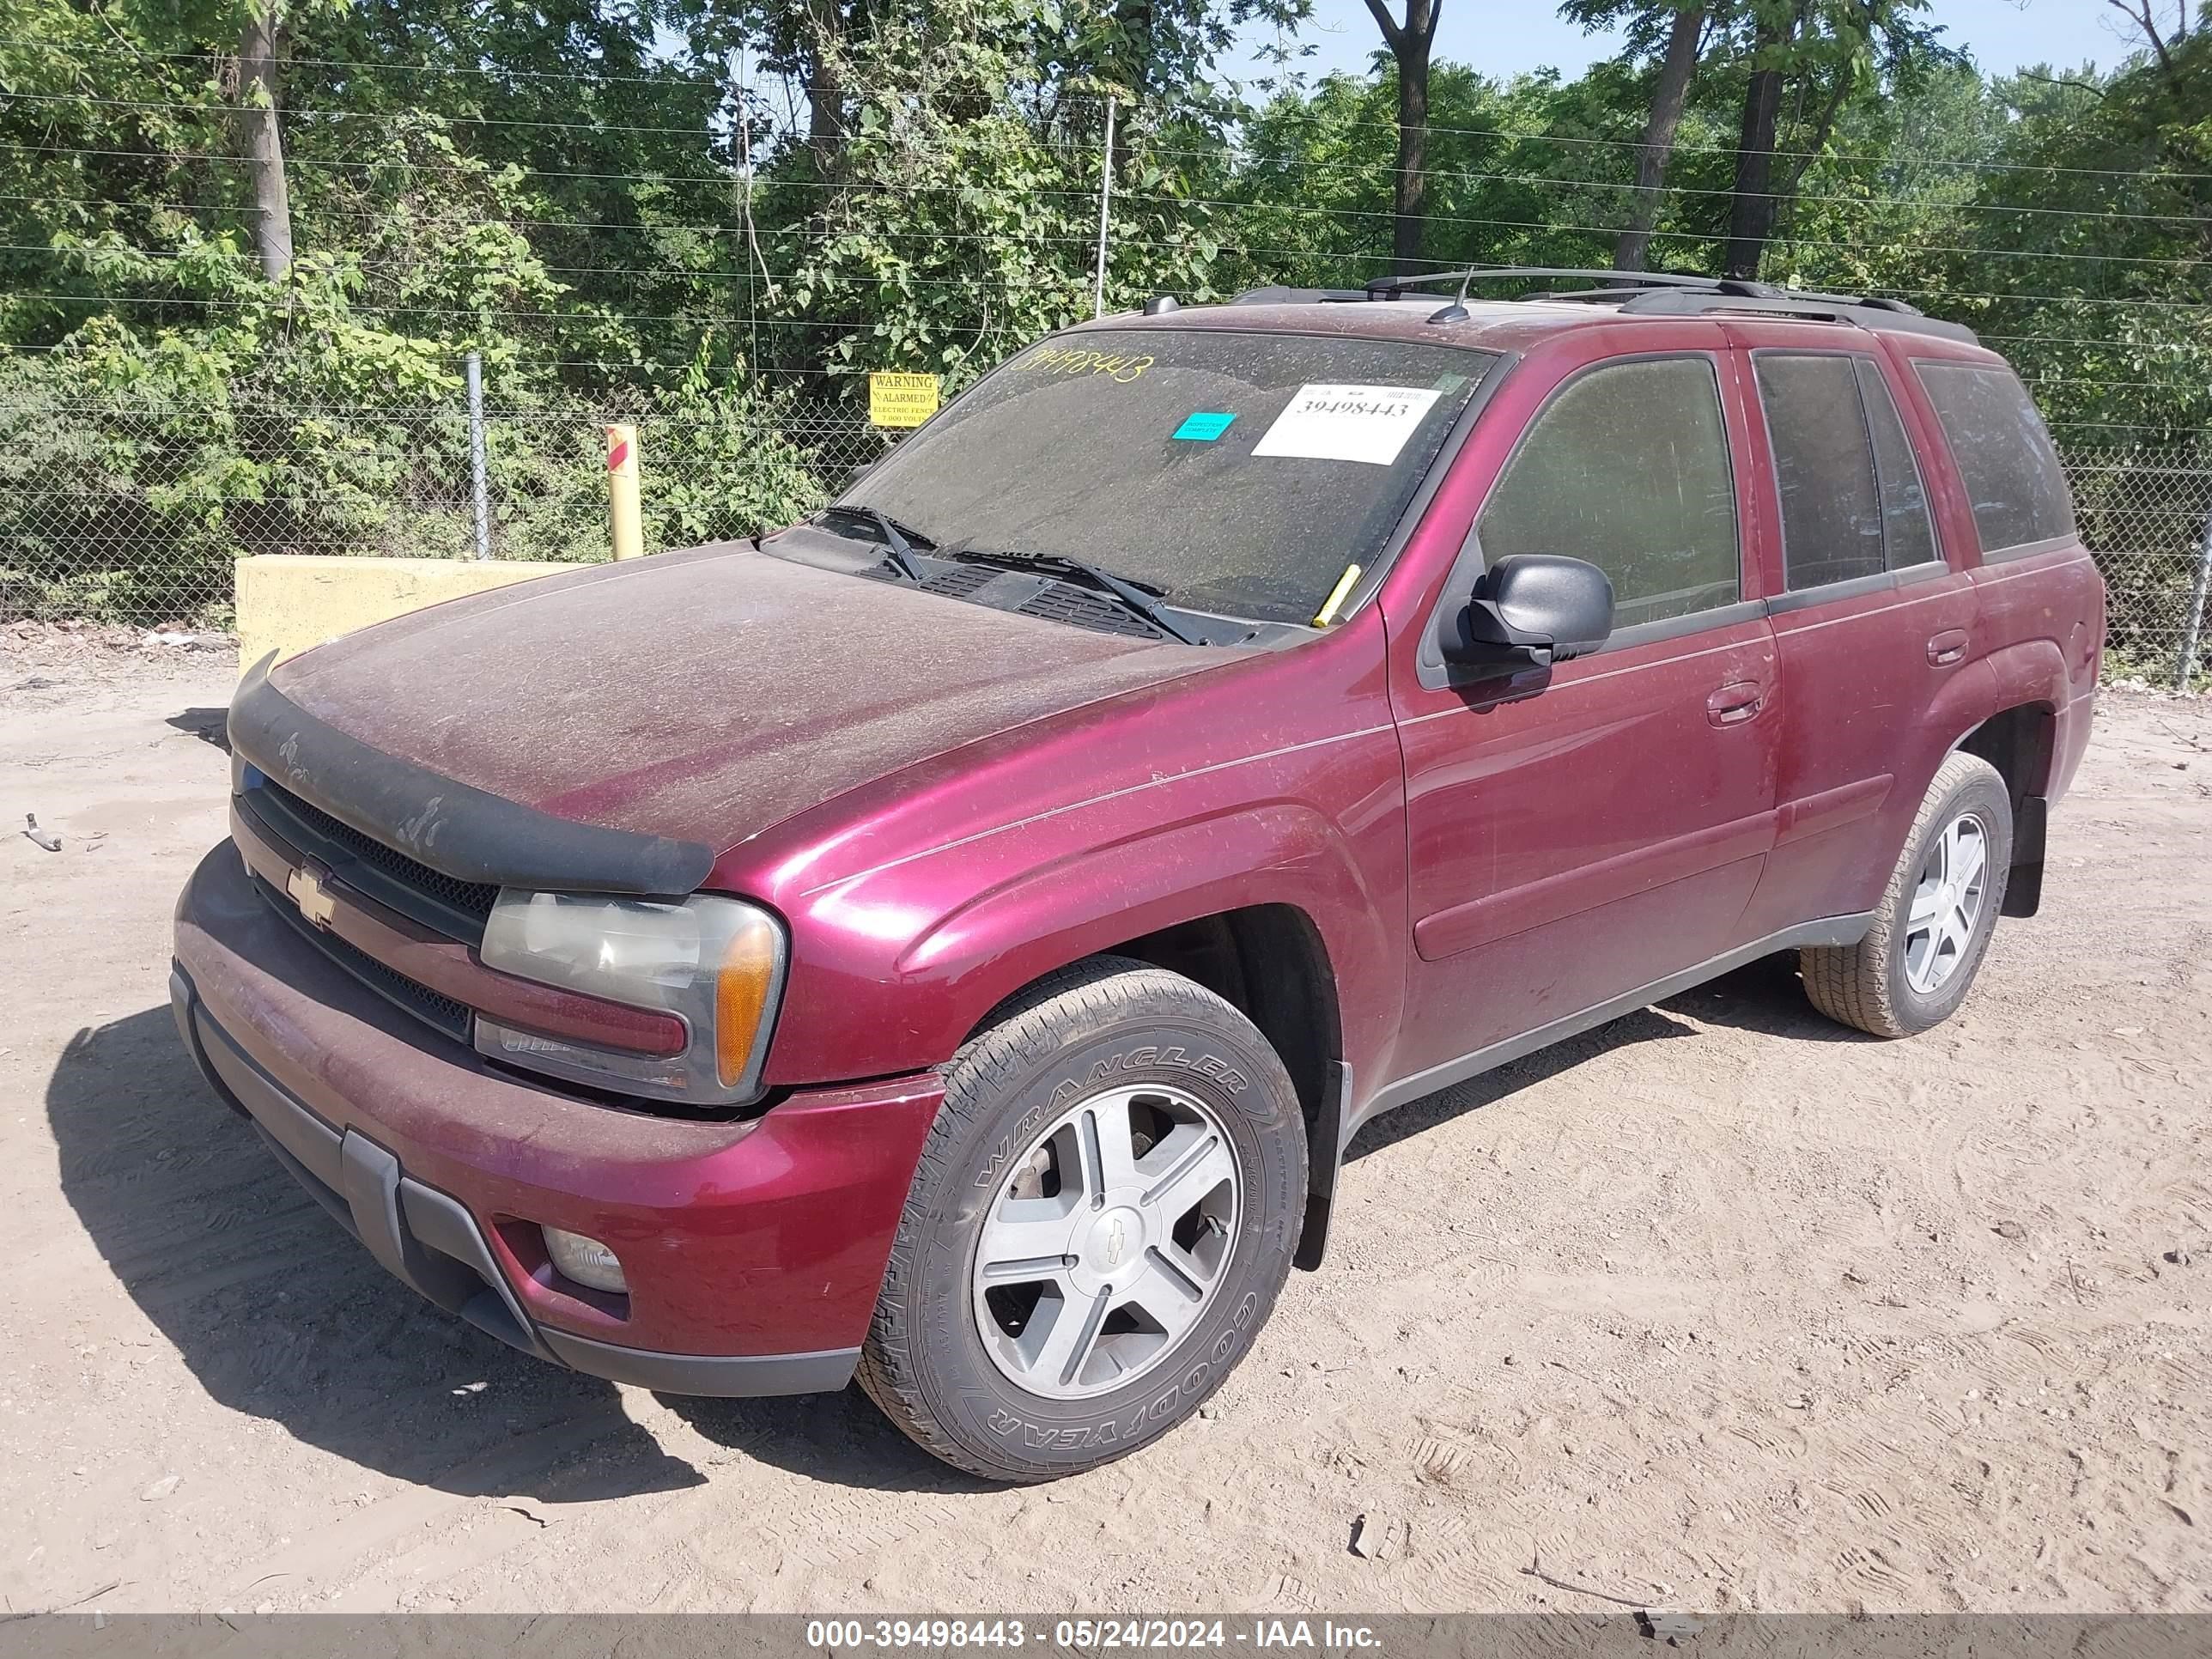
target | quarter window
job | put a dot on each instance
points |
(2004, 455)
(1831, 518)
(1628, 467)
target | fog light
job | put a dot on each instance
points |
(586, 1260)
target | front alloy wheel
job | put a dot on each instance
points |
(1102, 1217)
(1109, 1242)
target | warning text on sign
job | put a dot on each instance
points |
(901, 400)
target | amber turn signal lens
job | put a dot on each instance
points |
(741, 994)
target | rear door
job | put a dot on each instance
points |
(1577, 833)
(1870, 618)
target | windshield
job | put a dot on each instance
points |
(1230, 472)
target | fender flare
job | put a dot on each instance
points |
(1272, 853)
(1280, 853)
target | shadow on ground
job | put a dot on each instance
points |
(839, 1438)
(208, 725)
(281, 1315)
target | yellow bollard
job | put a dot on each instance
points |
(622, 492)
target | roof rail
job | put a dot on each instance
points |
(1386, 287)
(1654, 293)
(1894, 315)
(1638, 293)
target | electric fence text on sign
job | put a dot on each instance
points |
(901, 400)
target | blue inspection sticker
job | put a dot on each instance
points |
(1204, 427)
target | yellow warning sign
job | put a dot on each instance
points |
(900, 400)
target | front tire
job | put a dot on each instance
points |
(1917, 962)
(1102, 1217)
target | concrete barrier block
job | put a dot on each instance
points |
(290, 602)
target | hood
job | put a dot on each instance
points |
(704, 696)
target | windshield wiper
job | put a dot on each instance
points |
(900, 539)
(1135, 596)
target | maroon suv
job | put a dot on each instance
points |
(953, 939)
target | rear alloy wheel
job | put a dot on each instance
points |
(1917, 962)
(1101, 1219)
(1944, 917)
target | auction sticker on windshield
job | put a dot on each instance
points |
(1369, 424)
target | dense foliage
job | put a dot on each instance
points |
(717, 215)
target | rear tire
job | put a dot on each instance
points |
(1917, 961)
(1102, 1217)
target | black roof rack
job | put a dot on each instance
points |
(1389, 288)
(1638, 293)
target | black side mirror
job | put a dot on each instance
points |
(1531, 610)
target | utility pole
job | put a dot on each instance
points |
(2193, 627)
(476, 467)
(1105, 203)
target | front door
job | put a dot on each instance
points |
(1576, 833)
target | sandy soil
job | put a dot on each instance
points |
(1720, 1307)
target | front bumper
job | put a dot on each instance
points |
(753, 1250)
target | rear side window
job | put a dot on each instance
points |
(2004, 455)
(1907, 530)
(1628, 467)
(1832, 528)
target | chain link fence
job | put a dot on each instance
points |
(135, 514)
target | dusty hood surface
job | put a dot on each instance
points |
(704, 696)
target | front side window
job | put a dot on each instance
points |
(1234, 473)
(2003, 453)
(1627, 468)
(1823, 468)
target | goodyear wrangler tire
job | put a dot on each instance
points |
(1101, 1219)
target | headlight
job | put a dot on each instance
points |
(716, 963)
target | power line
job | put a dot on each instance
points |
(1680, 149)
(1942, 296)
(1089, 192)
(1376, 256)
(595, 127)
(576, 317)
(1379, 173)
(1374, 175)
(1614, 230)
(596, 78)
(746, 275)
(90, 251)
(678, 75)
(2102, 345)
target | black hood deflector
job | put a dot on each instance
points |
(452, 827)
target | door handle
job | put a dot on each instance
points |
(1734, 704)
(1947, 648)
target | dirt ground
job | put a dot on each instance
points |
(1719, 1307)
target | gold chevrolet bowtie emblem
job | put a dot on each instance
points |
(306, 888)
